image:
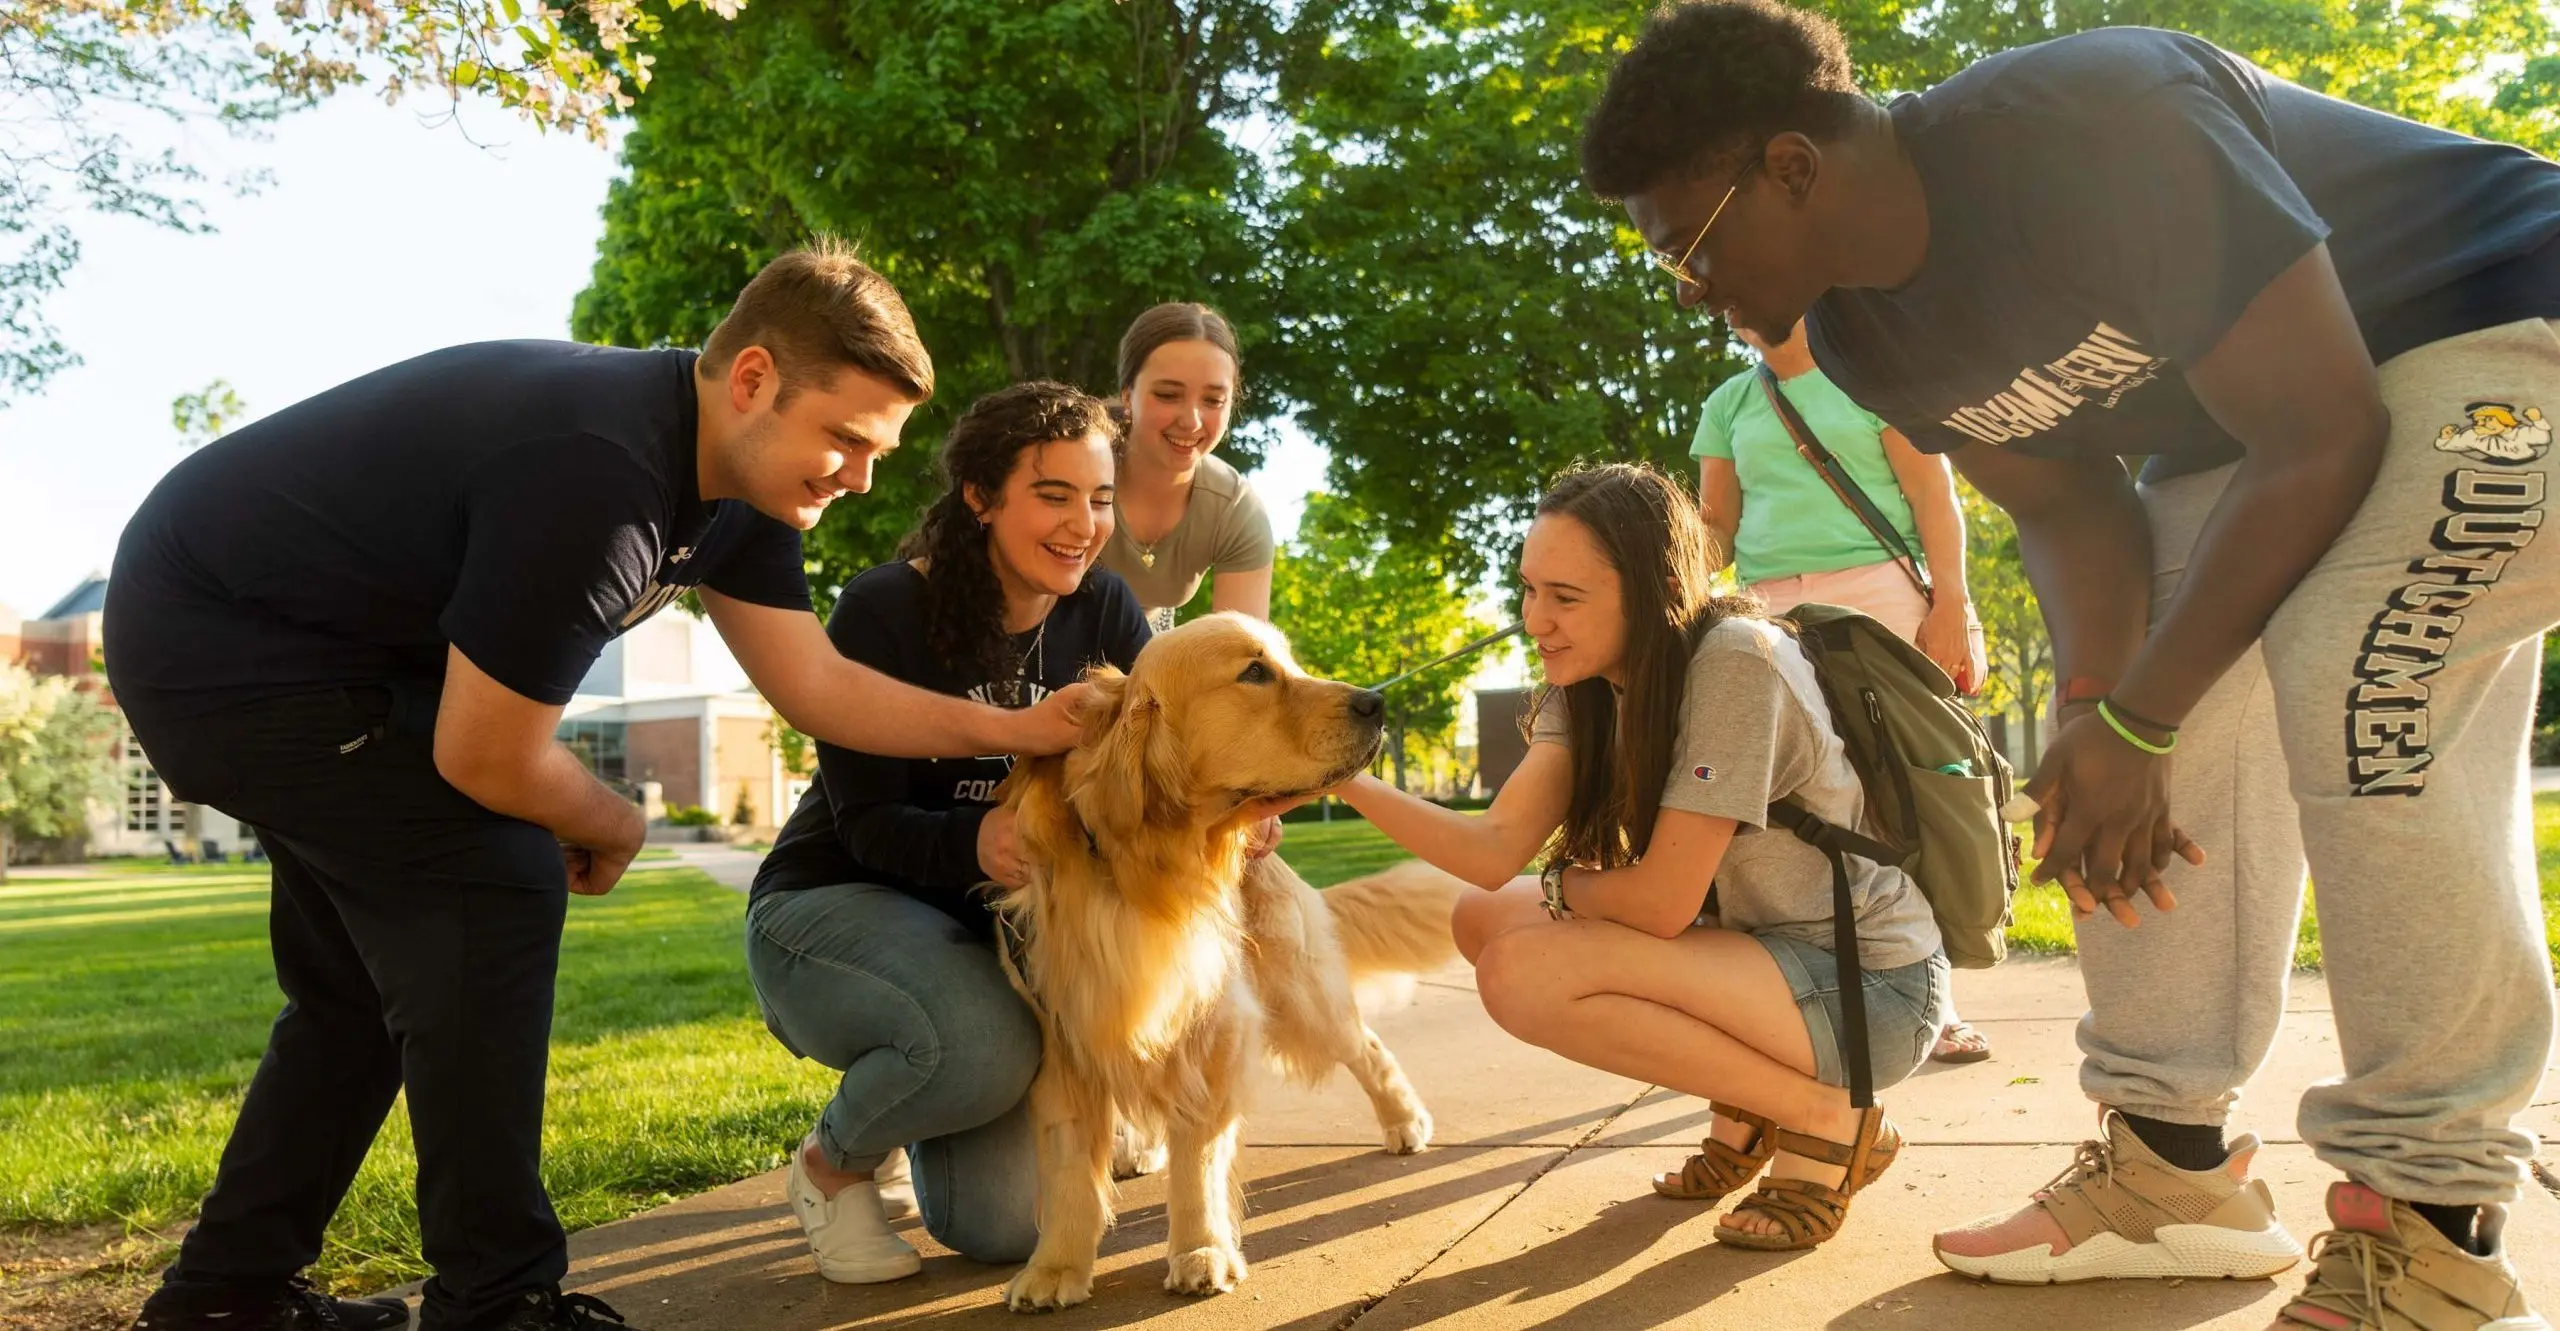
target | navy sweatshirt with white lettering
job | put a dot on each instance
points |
(912, 824)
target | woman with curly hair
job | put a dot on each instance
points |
(868, 934)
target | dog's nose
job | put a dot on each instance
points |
(1367, 704)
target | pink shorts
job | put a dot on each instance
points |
(1882, 592)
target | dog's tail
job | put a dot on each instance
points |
(1395, 921)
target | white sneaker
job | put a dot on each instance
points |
(848, 1234)
(897, 1185)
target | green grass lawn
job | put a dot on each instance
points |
(133, 1009)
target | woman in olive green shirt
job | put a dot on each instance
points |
(1184, 514)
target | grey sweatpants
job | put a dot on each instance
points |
(2380, 726)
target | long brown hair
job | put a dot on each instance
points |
(1646, 525)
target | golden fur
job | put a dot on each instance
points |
(1161, 959)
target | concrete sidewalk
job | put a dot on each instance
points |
(1533, 1209)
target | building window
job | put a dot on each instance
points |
(146, 801)
(599, 745)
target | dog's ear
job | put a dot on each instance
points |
(1036, 790)
(1133, 775)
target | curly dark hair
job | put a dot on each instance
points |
(964, 617)
(1709, 80)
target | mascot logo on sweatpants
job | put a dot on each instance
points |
(2498, 433)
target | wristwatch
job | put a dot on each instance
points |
(1551, 890)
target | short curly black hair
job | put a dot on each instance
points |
(1708, 79)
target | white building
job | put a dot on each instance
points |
(668, 703)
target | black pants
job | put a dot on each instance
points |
(416, 937)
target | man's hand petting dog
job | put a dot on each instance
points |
(999, 849)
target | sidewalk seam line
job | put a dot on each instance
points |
(1363, 1307)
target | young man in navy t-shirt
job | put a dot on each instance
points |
(2330, 332)
(353, 626)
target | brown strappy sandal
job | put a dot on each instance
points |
(1718, 1169)
(1806, 1212)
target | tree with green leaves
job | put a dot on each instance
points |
(1458, 319)
(1031, 175)
(1383, 195)
(2013, 633)
(57, 755)
(1362, 608)
(206, 414)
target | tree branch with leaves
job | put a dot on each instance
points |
(86, 84)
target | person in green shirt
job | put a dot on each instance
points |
(1791, 539)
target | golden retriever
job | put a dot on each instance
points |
(1160, 958)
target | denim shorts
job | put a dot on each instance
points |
(1902, 1009)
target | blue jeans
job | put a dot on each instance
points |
(1902, 1009)
(936, 1049)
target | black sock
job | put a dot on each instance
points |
(2194, 1147)
(2457, 1223)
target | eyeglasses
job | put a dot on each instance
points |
(1679, 268)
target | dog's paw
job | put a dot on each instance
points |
(1409, 1136)
(1043, 1286)
(1133, 1155)
(1210, 1270)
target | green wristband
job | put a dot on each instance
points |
(2125, 733)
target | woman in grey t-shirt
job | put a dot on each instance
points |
(1672, 938)
(1183, 514)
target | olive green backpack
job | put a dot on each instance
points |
(1935, 788)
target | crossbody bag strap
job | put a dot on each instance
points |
(1827, 465)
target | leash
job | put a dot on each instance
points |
(1469, 650)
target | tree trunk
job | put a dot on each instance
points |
(4, 850)
(1395, 745)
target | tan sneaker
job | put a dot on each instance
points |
(2384, 1268)
(2121, 1212)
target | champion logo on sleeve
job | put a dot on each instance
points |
(1703, 772)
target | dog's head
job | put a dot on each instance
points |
(1212, 715)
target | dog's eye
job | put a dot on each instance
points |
(1257, 673)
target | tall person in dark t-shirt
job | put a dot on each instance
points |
(2332, 332)
(353, 625)
(868, 932)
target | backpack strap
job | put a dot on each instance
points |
(1826, 464)
(1837, 845)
